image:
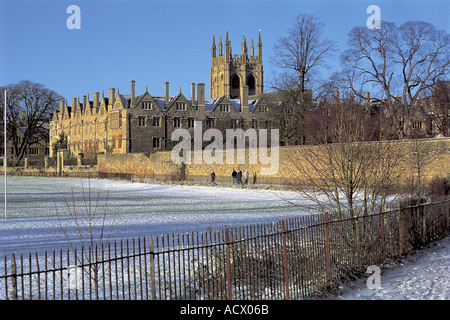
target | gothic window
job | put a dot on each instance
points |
(235, 87)
(251, 85)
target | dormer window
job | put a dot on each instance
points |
(147, 106)
(264, 109)
(180, 106)
(224, 108)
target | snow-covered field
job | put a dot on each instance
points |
(132, 209)
(141, 209)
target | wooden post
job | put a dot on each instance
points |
(383, 245)
(228, 262)
(327, 249)
(286, 275)
(401, 227)
(152, 269)
(419, 221)
(14, 277)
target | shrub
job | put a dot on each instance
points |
(439, 186)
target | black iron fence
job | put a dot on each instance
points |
(287, 259)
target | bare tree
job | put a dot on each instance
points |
(420, 154)
(350, 168)
(86, 224)
(399, 62)
(28, 106)
(299, 55)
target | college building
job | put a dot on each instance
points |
(143, 123)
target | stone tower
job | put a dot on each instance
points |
(230, 73)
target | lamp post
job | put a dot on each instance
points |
(4, 149)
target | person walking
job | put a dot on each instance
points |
(213, 177)
(234, 174)
(246, 176)
(239, 176)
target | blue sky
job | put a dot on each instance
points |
(165, 40)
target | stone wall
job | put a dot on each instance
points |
(160, 164)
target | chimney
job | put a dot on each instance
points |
(201, 93)
(23, 118)
(193, 94)
(61, 106)
(112, 95)
(244, 97)
(133, 85)
(201, 100)
(166, 92)
(336, 96)
(74, 105)
(96, 99)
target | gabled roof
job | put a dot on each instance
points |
(124, 100)
(179, 97)
(224, 101)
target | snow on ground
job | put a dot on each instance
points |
(143, 209)
(133, 209)
(424, 275)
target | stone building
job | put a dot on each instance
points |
(131, 123)
(230, 72)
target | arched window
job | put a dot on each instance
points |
(251, 83)
(235, 86)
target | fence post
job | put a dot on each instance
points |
(228, 262)
(401, 227)
(327, 249)
(152, 269)
(419, 224)
(383, 245)
(286, 279)
(14, 277)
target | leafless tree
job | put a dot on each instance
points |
(28, 106)
(299, 55)
(399, 62)
(86, 224)
(350, 168)
(420, 154)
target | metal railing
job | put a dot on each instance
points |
(287, 259)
